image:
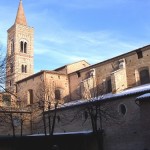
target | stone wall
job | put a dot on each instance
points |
(44, 83)
(121, 131)
(76, 66)
(119, 80)
(67, 69)
(133, 65)
(122, 72)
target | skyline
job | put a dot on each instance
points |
(93, 30)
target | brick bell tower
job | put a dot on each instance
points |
(19, 50)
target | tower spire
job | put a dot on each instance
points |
(20, 18)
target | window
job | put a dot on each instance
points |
(78, 74)
(122, 109)
(24, 68)
(11, 68)
(12, 46)
(109, 85)
(121, 63)
(30, 97)
(144, 76)
(139, 54)
(57, 94)
(23, 47)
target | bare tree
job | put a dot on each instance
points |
(46, 97)
(5, 69)
(14, 116)
(2, 69)
(96, 110)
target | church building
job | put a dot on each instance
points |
(119, 84)
(78, 80)
(20, 50)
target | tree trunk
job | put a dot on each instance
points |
(54, 119)
(21, 127)
(49, 123)
(31, 124)
(99, 137)
(12, 124)
(44, 123)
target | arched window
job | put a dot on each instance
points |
(23, 47)
(30, 97)
(22, 68)
(144, 76)
(57, 94)
(25, 68)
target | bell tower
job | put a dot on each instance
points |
(19, 50)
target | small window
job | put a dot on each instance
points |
(10, 83)
(139, 54)
(12, 46)
(21, 46)
(78, 74)
(11, 68)
(122, 109)
(25, 47)
(22, 68)
(57, 94)
(30, 97)
(144, 76)
(25, 68)
(109, 85)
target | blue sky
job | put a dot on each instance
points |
(71, 30)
